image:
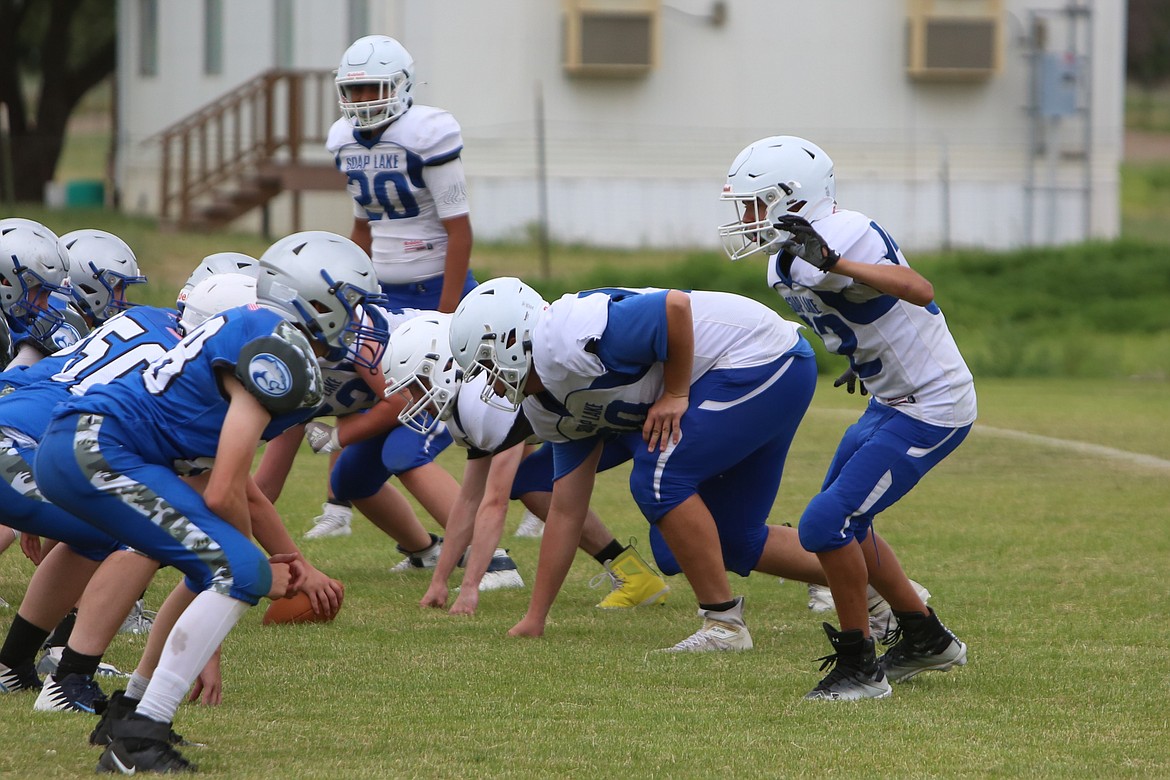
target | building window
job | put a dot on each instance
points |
(212, 37)
(148, 37)
(284, 34)
(359, 20)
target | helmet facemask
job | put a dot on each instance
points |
(370, 114)
(102, 293)
(772, 178)
(40, 320)
(506, 370)
(374, 61)
(337, 323)
(753, 229)
(418, 363)
(430, 400)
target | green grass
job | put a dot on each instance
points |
(1049, 562)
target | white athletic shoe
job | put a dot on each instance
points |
(721, 631)
(501, 573)
(47, 665)
(820, 598)
(882, 623)
(139, 620)
(531, 526)
(423, 559)
(334, 520)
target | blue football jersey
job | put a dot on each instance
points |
(125, 344)
(176, 408)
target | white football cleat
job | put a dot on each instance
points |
(531, 526)
(334, 520)
(721, 632)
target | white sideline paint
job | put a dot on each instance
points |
(1110, 453)
(1135, 458)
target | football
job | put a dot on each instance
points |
(293, 609)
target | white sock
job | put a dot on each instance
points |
(198, 631)
(136, 688)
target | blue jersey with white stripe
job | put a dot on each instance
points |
(176, 406)
(125, 344)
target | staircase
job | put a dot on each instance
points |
(242, 150)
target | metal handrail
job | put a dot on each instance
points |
(236, 134)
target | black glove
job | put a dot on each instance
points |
(850, 380)
(806, 243)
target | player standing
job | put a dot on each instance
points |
(850, 283)
(411, 213)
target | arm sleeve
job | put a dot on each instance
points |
(448, 186)
(635, 335)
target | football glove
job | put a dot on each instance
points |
(851, 382)
(322, 438)
(806, 243)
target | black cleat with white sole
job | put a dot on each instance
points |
(140, 744)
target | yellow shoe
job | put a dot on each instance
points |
(634, 583)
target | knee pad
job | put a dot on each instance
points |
(742, 551)
(822, 526)
(663, 558)
(358, 472)
(249, 577)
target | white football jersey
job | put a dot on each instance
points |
(345, 391)
(904, 353)
(730, 332)
(387, 180)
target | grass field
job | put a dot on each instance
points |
(1048, 560)
(1043, 540)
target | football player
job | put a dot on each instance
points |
(846, 278)
(419, 362)
(120, 346)
(411, 215)
(243, 376)
(402, 162)
(34, 294)
(680, 370)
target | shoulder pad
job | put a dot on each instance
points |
(340, 134)
(71, 331)
(280, 371)
(431, 133)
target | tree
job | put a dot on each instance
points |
(1148, 42)
(65, 48)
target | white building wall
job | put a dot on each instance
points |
(638, 162)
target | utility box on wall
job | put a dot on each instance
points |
(611, 37)
(954, 40)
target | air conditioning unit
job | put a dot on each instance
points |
(611, 37)
(955, 47)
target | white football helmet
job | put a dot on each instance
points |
(101, 266)
(32, 259)
(216, 294)
(418, 359)
(378, 61)
(773, 177)
(217, 263)
(318, 279)
(491, 330)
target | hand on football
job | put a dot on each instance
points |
(806, 243)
